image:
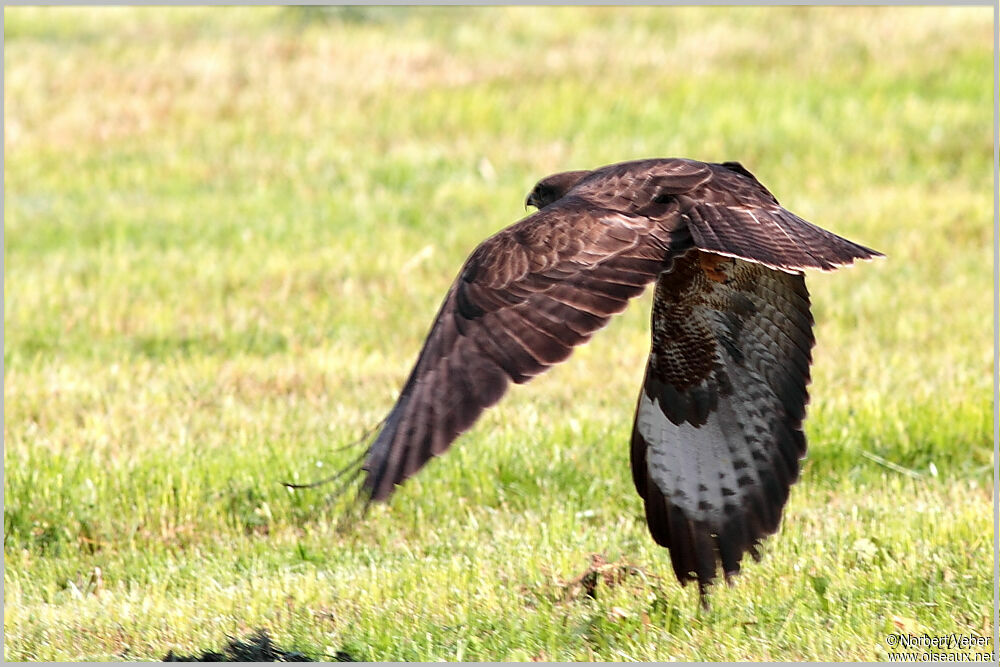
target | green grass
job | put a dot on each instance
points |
(227, 232)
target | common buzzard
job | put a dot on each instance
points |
(717, 435)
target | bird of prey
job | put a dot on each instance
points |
(717, 436)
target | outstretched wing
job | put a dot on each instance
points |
(735, 216)
(522, 301)
(718, 428)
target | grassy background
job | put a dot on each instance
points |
(227, 231)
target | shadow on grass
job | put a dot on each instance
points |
(256, 648)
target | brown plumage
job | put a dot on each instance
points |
(718, 426)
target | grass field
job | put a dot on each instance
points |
(227, 232)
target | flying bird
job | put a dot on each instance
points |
(717, 435)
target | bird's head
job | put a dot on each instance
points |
(552, 188)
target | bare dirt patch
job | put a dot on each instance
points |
(612, 575)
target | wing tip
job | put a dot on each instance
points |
(699, 549)
(866, 255)
(826, 265)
